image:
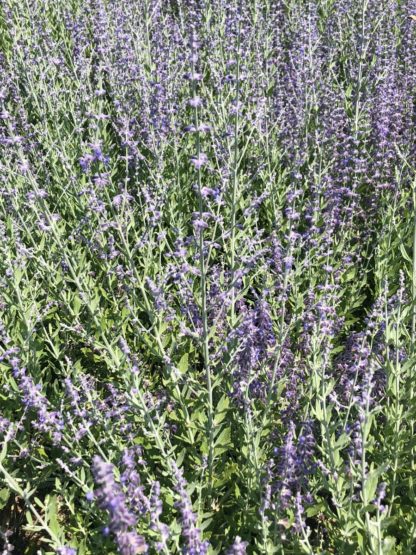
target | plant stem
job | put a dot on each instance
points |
(204, 315)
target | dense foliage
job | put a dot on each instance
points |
(207, 276)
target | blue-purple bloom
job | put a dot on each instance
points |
(199, 161)
(192, 541)
(238, 548)
(111, 498)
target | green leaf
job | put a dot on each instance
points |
(183, 363)
(370, 485)
(388, 545)
(94, 303)
(221, 410)
(77, 304)
(404, 253)
(223, 441)
(4, 497)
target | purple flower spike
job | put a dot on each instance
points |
(112, 499)
(193, 544)
(66, 550)
(238, 548)
(199, 161)
(195, 102)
